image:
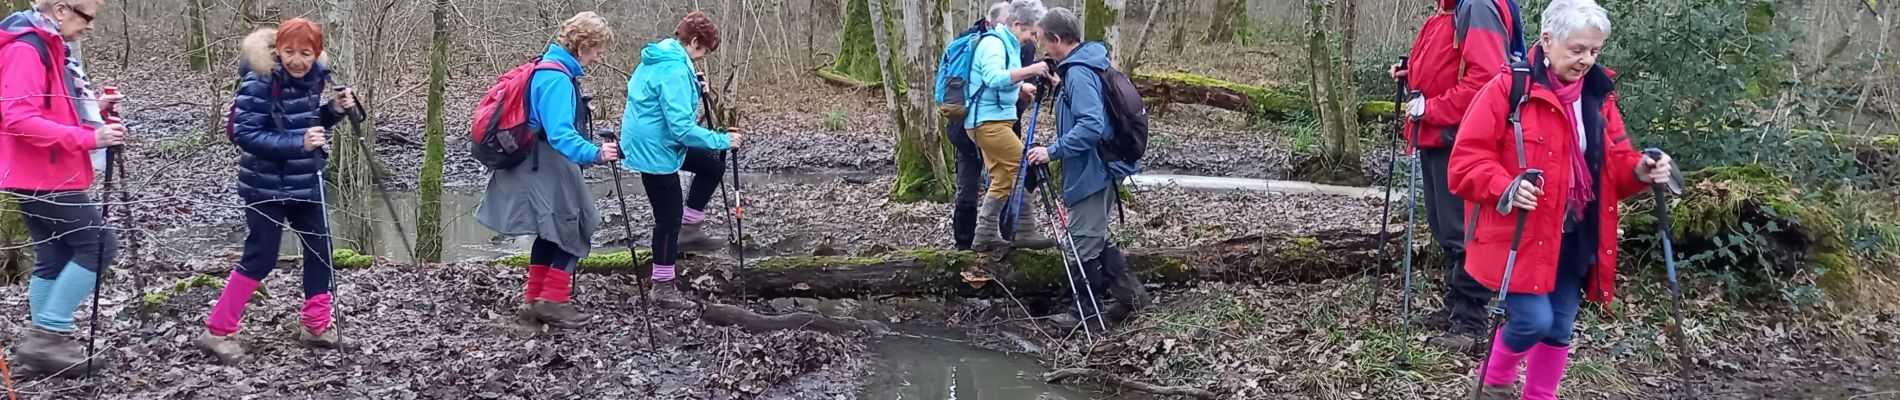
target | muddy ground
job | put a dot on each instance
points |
(444, 331)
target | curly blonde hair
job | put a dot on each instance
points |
(585, 30)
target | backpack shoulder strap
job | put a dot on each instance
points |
(1520, 94)
(46, 58)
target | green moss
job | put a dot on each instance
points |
(1039, 268)
(157, 298)
(916, 180)
(348, 259)
(1271, 104)
(782, 263)
(1165, 269)
(1377, 108)
(605, 262)
(1097, 19)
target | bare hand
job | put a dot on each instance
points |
(109, 135)
(1396, 73)
(1525, 197)
(734, 136)
(609, 152)
(344, 100)
(1039, 155)
(1029, 89)
(110, 102)
(1655, 171)
(315, 138)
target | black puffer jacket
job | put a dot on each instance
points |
(272, 112)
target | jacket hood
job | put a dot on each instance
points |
(664, 51)
(259, 50)
(1091, 54)
(1448, 5)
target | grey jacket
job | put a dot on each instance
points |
(545, 196)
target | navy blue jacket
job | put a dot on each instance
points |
(269, 127)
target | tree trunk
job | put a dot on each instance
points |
(17, 5)
(857, 55)
(1262, 103)
(1230, 24)
(1347, 149)
(1131, 61)
(921, 173)
(429, 203)
(352, 227)
(1103, 22)
(1177, 22)
(199, 56)
(14, 262)
(1338, 162)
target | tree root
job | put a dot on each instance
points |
(1118, 380)
(730, 315)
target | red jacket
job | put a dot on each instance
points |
(1485, 160)
(1456, 52)
(43, 144)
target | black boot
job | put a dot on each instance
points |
(1123, 286)
(963, 225)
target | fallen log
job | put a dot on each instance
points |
(731, 315)
(841, 80)
(1119, 381)
(1261, 102)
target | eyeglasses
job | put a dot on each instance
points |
(82, 14)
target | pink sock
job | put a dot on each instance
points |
(662, 273)
(316, 313)
(230, 308)
(690, 216)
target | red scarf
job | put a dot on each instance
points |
(1568, 94)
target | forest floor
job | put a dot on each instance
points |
(446, 331)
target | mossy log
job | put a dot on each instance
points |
(841, 80)
(1261, 102)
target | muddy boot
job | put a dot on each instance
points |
(668, 296)
(1029, 231)
(224, 348)
(1438, 320)
(528, 316)
(329, 339)
(562, 315)
(1456, 342)
(988, 217)
(49, 353)
(693, 238)
(1124, 286)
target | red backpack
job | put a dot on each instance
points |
(501, 138)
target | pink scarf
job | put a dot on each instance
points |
(1568, 94)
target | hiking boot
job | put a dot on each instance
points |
(1437, 320)
(668, 296)
(561, 315)
(988, 218)
(329, 339)
(224, 348)
(1453, 342)
(53, 354)
(1028, 232)
(693, 238)
(528, 316)
(1124, 287)
(1488, 392)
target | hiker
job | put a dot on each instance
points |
(280, 123)
(1457, 51)
(969, 158)
(1574, 133)
(661, 138)
(545, 195)
(49, 123)
(1083, 125)
(997, 84)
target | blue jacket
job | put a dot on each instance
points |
(993, 95)
(662, 105)
(554, 108)
(269, 127)
(1083, 124)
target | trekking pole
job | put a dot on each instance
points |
(356, 126)
(619, 192)
(105, 207)
(733, 195)
(1684, 360)
(1060, 222)
(1411, 222)
(1391, 173)
(1022, 171)
(1056, 225)
(1530, 176)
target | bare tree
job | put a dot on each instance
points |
(353, 171)
(921, 172)
(1230, 23)
(1339, 145)
(195, 32)
(429, 204)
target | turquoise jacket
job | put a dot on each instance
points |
(662, 105)
(555, 109)
(993, 96)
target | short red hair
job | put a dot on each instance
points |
(300, 32)
(697, 28)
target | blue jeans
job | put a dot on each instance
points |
(1549, 318)
(267, 221)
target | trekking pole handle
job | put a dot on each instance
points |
(1531, 176)
(355, 113)
(1675, 175)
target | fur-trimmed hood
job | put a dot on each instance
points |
(259, 51)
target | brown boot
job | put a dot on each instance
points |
(329, 339)
(667, 296)
(561, 315)
(50, 353)
(224, 348)
(693, 238)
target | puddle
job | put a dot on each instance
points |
(926, 368)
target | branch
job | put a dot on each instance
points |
(1119, 381)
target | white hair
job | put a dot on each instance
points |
(996, 12)
(1026, 12)
(1565, 17)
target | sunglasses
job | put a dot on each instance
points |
(82, 14)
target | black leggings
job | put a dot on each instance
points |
(663, 193)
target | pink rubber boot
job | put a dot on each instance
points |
(1500, 371)
(1544, 371)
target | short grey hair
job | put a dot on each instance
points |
(996, 12)
(1565, 17)
(1061, 23)
(1026, 12)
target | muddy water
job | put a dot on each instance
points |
(913, 367)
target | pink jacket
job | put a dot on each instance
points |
(43, 144)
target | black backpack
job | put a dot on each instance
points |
(1127, 117)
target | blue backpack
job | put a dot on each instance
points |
(953, 75)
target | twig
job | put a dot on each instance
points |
(1122, 382)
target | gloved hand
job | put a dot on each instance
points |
(1416, 107)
